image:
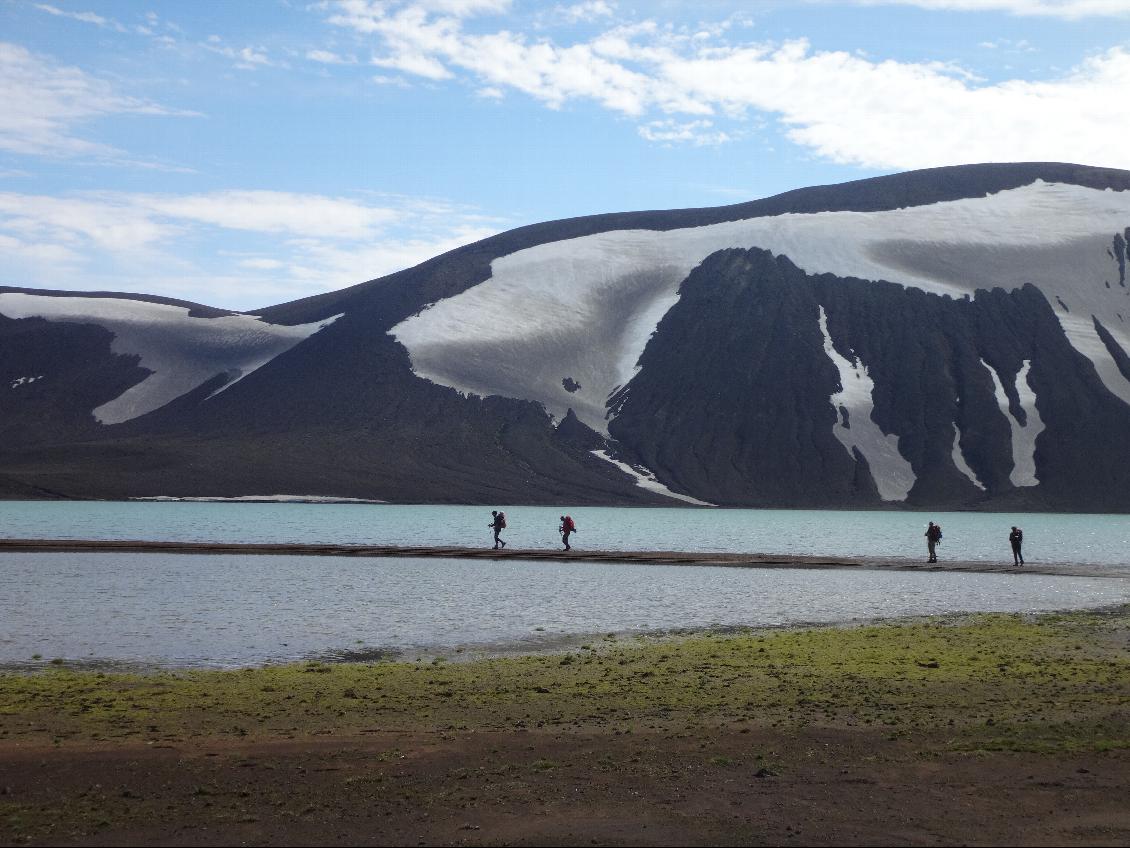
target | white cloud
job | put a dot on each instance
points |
(172, 244)
(847, 108)
(245, 58)
(327, 57)
(262, 264)
(1067, 9)
(370, 15)
(899, 115)
(384, 79)
(698, 133)
(590, 10)
(45, 103)
(271, 212)
(85, 17)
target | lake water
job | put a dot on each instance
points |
(230, 611)
(976, 536)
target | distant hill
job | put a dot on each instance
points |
(948, 338)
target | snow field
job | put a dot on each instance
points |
(182, 352)
(585, 308)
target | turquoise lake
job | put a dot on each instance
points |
(162, 610)
(976, 536)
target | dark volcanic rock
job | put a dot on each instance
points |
(732, 400)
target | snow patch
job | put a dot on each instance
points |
(587, 306)
(23, 381)
(959, 460)
(1085, 338)
(329, 499)
(647, 480)
(1023, 435)
(893, 475)
(183, 352)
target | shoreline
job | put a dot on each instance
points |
(873, 734)
(692, 558)
(543, 647)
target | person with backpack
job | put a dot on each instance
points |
(1016, 539)
(567, 526)
(933, 537)
(498, 524)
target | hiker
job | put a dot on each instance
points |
(497, 524)
(933, 537)
(567, 527)
(1016, 539)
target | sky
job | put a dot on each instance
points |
(245, 154)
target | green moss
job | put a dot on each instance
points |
(994, 682)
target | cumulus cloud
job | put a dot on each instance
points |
(171, 244)
(844, 107)
(45, 104)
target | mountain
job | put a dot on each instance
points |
(947, 338)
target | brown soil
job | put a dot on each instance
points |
(543, 788)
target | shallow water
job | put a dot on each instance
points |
(229, 611)
(1049, 538)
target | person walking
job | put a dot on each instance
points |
(933, 537)
(498, 524)
(1016, 539)
(567, 527)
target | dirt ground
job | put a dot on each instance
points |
(997, 731)
(549, 788)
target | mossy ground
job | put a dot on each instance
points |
(1013, 681)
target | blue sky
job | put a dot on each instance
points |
(244, 154)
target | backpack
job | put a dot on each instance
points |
(502, 521)
(569, 525)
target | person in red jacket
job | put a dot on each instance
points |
(567, 527)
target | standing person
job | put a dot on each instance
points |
(1016, 539)
(933, 536)
(498, 524)
(567, 527)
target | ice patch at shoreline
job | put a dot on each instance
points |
(648, 480)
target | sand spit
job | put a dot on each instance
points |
(729, 560)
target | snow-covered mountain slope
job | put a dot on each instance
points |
(564, 323)
(950, 338)
(180, 351)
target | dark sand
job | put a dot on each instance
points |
(733, 560)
